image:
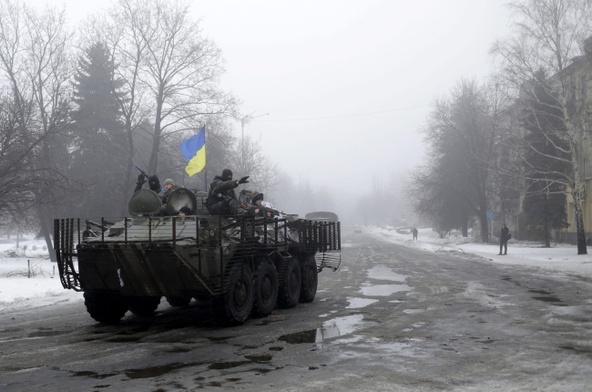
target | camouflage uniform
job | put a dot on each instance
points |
(222, 198)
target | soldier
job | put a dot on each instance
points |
(222, 198)
(168, 188)
(153, 182)
(261, 206)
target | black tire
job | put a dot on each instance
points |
(235, 305)
(266, 289)
(180, 301)
(143, 306)
(107, 308)
(291, 281)
(310, 280)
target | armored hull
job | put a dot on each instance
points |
(245, 265)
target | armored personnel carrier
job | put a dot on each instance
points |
(245, 265)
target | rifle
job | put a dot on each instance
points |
(141, 171)
(153, 181)
(265, 210)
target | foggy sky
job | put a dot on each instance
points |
(347, 83)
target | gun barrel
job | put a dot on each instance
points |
(140, 170)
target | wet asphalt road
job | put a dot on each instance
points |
(390, 319)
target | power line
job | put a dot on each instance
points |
(350, 115)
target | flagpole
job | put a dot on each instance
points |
(206, 174)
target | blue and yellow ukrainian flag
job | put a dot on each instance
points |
(194, 150)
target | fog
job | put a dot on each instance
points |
(339, 90)
(348, 84)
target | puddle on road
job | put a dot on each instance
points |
(308, 336)
(219, 338)
(259, 358)
(175, 350)
(385, 273)
(543, 292)
(227, 365)
(92, 374)
(46, 333)
(413, 311)
(551, 299)
(334, 328)
(547, 297)
(356, 303)
(156, 371)
(383, 290)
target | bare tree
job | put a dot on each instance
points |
(548, 39)
(436, 200)
(249, 160)
(171, 73)
(34, 61)
(16, 176)
(462, 133)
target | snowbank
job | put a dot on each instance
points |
(559, 257)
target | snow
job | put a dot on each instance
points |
(559, 258)
(27, 277)
(43, 287)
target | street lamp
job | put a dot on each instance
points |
(245, 120)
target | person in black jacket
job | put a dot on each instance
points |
(504, 238)
(153, 182)
(222, 198)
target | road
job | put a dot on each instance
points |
(390, 319)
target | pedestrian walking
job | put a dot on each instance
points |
(504, 238)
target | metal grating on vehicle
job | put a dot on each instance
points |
(65, 242)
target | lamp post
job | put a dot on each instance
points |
(245, 120)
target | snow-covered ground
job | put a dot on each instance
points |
(27, 277)
(559, 257)
(18, 289)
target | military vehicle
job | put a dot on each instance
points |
(246, 266)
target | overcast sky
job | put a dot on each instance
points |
(347, 83)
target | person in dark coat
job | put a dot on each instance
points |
(153, 182)
(504, 238)
(414, 231)
(221, 196)
(262, 207)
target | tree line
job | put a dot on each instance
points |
(518, 142)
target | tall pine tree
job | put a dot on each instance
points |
(99, 156)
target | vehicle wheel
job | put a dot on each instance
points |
(266, 289)
(291, 280)
(143, 306)
(310, 279)
(107, 308)
(180, 301)
(235, 305)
